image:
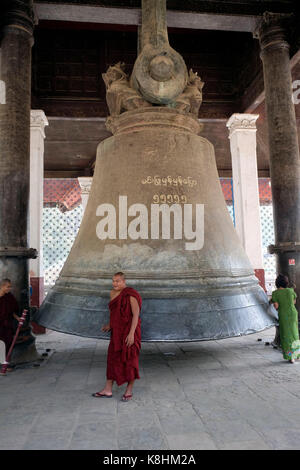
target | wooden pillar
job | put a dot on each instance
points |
(283, 143)
(17, 40)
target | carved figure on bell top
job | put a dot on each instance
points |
(120, 96)
(190, 100)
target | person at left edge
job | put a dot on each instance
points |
(8, 311)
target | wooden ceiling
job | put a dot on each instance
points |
(232, 7)
(70, 56)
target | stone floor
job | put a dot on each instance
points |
(232, 394)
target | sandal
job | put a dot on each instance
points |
(101, 395)
(126, 397)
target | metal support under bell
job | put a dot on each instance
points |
(194, 277)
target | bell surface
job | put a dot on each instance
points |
(156, 212)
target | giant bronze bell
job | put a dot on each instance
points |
(156, 211)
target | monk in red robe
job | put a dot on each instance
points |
(8, 311)
(125, 343)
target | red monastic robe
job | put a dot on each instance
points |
(123, 361)
(8, 306)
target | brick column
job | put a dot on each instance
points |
(242, 135)
(38, 121)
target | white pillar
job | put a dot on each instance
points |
(38, 121)
(85, 183)
(2, 87)
(242, 135)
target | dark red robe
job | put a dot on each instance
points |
(123, 361)
(8, 306)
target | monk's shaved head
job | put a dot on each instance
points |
(122, 275)
(5, 286)
(119, 281)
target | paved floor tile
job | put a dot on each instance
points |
(283, 439)
(141, 437)
(224, 431)
(245, 445)
(54, 422)
(47, 441)
(94, 436)
(191, 441)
